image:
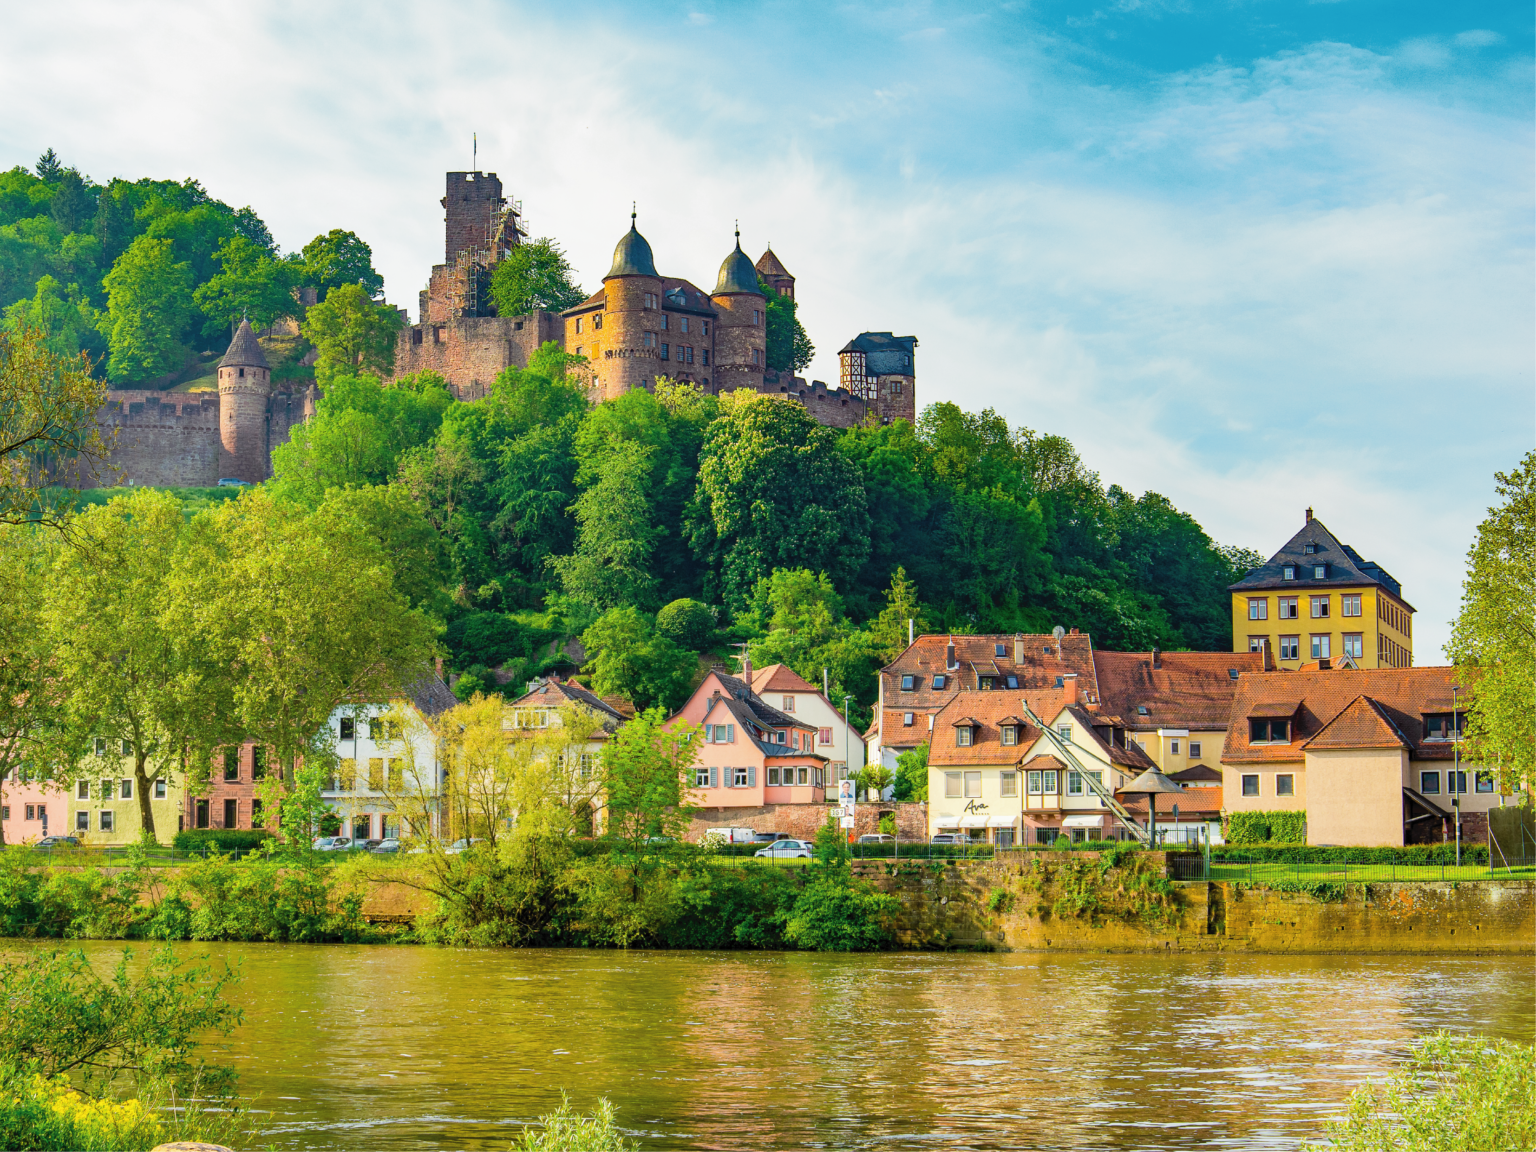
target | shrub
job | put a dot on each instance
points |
(39, 1112)
(687, 623)
(565, 1131)
(1420, 855)
(888, 824)
(220, 839)
(1258, 827)
(836, 913)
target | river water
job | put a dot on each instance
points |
(417, 1048)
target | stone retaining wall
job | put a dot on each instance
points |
(801, 821)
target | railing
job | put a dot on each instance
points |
(1235, 867)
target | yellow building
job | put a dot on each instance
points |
(1316, 603)
(104, 802)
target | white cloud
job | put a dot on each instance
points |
(1478, 38)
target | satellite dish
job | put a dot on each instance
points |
(1058, 632)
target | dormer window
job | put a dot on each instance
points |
(1288, 572)
(1319, 571)
(1309, 549)
(1269, 731)
(1437, 726)
(1141, 710)
(940, 680)
(1061, 681)
(908, 683)
(1013, 681)
(963, 736)
(1010, 734)
(1231, 673)
(907, 718)
(986, 683)
(1000, 649)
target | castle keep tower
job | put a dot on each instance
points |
(245, 386)
(631, 313)
(741, 332)
(473, 207)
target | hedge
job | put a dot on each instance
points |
(1423, 855)
(1262, 827)
(222, 839)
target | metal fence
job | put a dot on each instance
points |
(1253, 870)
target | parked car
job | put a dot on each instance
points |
(386, 845)
(369, 844)
(58, 842)
(876, 838)
(332, 843)
(734, 835)
(786, 849)
(947, 838)
(769, 837)
(459, 846)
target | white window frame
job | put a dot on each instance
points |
(954, 785)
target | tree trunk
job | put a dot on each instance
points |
(141, 784)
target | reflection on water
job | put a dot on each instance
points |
(377, 1047)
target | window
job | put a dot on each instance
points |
(1010, 734)
(1065, 732)
(908, 683)
(1285, 784)
(999, 649)
(940, 680)
(1288, 572)
(1174, 747)
(1258, 607)
(5, 811)
(1034, 783)
(648, 300)
(963, 736)
(346, 775)
(1052, 781)
(101, 746)
(258, 762)
(1290, 647)
(1349, 606)
(682, 323)
(82, 821)
(597, 321)
(757, 317)
(649, 340)
(82, 790)
(665, 321)
(1354, 644)
(704, 354)
(1320, 646)
(1455, 782)
(952, 785)
(1319, 607)
(1309, 548)
(1008, 784)
(773, 777)
(701, 777)
(348, 728)
(1074, 784)
(396, 769)
(127, 748)
(159, 789)
(1429, 783)
(986, 683)
(757, 356)
(256, 812)
(1438, 726)
(31, 813)
(106, 819)
(789, 704)
(1319, 571)
(824, 736)
(1194, 749)
(739, 777)
(231, 764)
(1250, 785)
(1288, 608)
(1485, 782)
(107, 788)
(805, 775)
(666, 351)
(1013, 681)
(231, 813)
(125, 789)
(1061, 681)
(1269, 731)
(973, 785)
(906, 719)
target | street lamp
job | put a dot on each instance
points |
(1456, 771)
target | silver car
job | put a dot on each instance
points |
(786, 849)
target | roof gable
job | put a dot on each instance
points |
(1344, 565)
(1362, 724)
(1150, 690)
(779, 678)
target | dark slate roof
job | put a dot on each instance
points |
(244, 350)
(1344, 565)
(750, 716)
(770, 265)
(632, 255)
(430, 695)
(765, 715)
(737, 273)
(571, 692)
(884, 354)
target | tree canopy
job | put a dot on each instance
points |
(534, 276)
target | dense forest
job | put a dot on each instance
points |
(656, 528)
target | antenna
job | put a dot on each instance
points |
(474, 163)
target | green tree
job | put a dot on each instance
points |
(65, 317)
(687, 623)
(534, 276)
(149, 300)
(337, 259)
(49, 167)
(251, 283)
(352, 333)
(800, 620)
(901, 616)
(789, 348)
(646, 770)
(773, 492)
(71, 206)
(614, 537)
(30, 691)
(1493, 639)
(135, 677)
(912, 775)
(48, 406)
(627, 658)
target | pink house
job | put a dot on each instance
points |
(29, 811)
(752, 754)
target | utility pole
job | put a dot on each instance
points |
(1456, 772)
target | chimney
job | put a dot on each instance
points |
(1309, 515)
(746, 666)
(950, 663)
(438, 665)
(1157, 658)
(1069, 687)
(910, 623)
(1018, 648)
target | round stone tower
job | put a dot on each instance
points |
(245, 386)
(741, 327)
(631, 319)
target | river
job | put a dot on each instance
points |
(418, 1048)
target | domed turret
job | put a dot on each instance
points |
(737, 273)
(632, 256)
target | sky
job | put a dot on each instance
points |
(1254, 255)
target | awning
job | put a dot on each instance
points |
(1083, 822)
(1002, 821)
(973, 821)
(949, 822)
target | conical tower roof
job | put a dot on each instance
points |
(737, 273)
(632, 256)
(244, 350)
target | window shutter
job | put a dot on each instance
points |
(714, 777)
(730, 733)
(751, 775)
(709, 733)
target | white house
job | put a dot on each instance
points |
(839, 741)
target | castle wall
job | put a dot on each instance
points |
(160, 439)
(834, 407)
(471, 351)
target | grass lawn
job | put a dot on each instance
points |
(1357, 873)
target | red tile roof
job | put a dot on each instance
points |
(984, 710)
(975, 656)
(1192, 802)
(780, 678)
(1399, 697)
(1184, 690)
(1362, 724)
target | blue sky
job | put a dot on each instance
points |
(1255, 256)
